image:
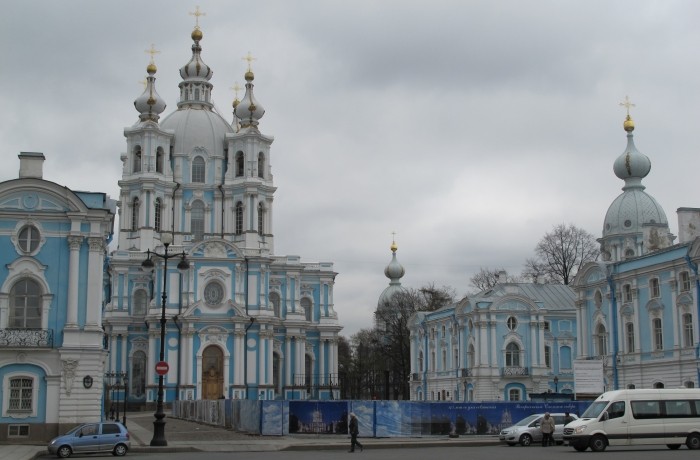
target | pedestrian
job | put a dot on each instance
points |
(354, 431)
(567, 418)
(547, 427)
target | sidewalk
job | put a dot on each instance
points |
(185, 436)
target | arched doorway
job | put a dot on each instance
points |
(212, 373)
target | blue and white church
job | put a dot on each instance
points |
(637, 310)
(241, 322)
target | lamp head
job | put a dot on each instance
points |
(148, 265)
(166, 238)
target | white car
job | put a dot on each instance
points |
(527, 430)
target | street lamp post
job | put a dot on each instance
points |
(125, 381)
(148, 265)
(556, 384)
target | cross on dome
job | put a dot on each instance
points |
(249, 57)
(152, 51)
(627, 104)
(196, 15)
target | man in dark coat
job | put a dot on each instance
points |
(354, 431)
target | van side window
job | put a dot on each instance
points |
(678, 409)
(646, 409)
(617, 409)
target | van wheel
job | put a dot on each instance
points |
(693, 441)
(525, 440)
(598, 443)
(673, 446)
(580, 448)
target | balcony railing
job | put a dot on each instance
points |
(26, 338)
(514, 371)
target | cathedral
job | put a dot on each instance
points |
(241, 321)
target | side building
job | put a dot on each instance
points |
(53, 244)
(638, 309)
(504, 343)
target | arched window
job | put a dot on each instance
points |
(654, 288)
(261, 219)
(21, 394)
(420, 361)
(601, 340)
(512, 355)
(685, 281)
(443, 364)
(658, 385)
(275, 301)
(548, 356)
(514, 394)
(197, 221)
(136, 167)
(240, 164)
(239, 218)
(598, 299)
(470, 356)
(658, 333)
(160, 156)
(627, 293)
(137, 378)
(308, 308)
(28, 238)
(261, 165)
(158, 214)
(198, 170)
(140, 302)
(25, 305)
(688, 339)
(629, 332)
(135, 214)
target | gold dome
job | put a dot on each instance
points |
(628, 124)
(249, 76)
(394, 247)
(197, 34)
(235, 103)
(151, 68)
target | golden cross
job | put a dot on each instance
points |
(393, 237)
(236, 88)
(627, 104)
(197, 14)
(249, 57)
(153, 51)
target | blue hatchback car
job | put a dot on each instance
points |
(108, 436)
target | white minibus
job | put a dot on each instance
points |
(638, 417)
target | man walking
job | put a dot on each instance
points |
(547, 428)
(354, 431)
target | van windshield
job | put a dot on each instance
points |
(595, 409)
(527, 420)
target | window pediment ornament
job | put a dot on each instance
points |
(684, 299)
(69, 367)
(627, 311)
(654, 306)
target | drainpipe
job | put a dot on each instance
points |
(172, 199)
(425, 361)
(693, 266)
(614, 313)
(223, 199)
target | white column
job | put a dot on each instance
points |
(238, 353)
(124, 361)
(540, 330)
(494, 350)
(94, 284)
(288, 360)
(74, 243)
(322, 360)
(113, 347)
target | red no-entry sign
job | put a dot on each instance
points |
(162, 368)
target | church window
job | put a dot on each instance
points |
(470, 325)
(140, 302)
(28, 238)
(690, 384)
(196, 94)
(629, 253)
(137, 378)
(598, 299)
(160, 156)
(444, 330)
(240, 164)
(275, 301)
(308, 308)
(455, 356)
(197, 221)
(432, 361)
(261, 165)
(688, 339)
(214, 293)
(444, 359)
(548, 356)
(514, 394)
(420, 361)
(512, 355)
(158, 211)
(198, 170)
(239, 218)
(21, 394)
(470, 356)
(629, 332)
(135, 214)
(627, 293)
(659, 385)
(25, 305)
(685, 281)
(654, 287)
(137, 159)
(512, 323)
(628, 223)
(658, 333)
(601, 340)
(261, 219)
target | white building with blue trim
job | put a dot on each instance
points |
(242, 322)
(637, 310)
(53, 243)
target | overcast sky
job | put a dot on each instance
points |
(469, 128)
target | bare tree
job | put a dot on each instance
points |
(488, 277)
(561, 253)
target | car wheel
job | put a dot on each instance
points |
(64, 451)
(119, 450)
(693, 441)
(598, 443)
(673, 446)
(525, 440)
(580, 448)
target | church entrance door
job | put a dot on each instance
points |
(212, 373)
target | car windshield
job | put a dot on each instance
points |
(527, 420)
(74, 430)
(595, 409)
